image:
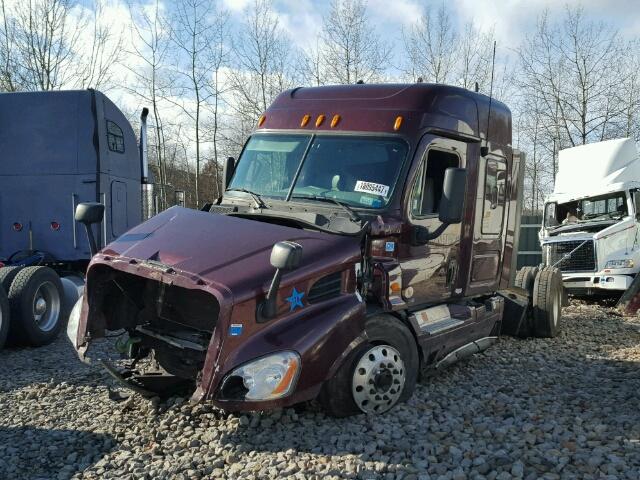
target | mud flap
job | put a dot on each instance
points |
(629, 302)
(516, 310)
(148, 384)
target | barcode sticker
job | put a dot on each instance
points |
(370, 187)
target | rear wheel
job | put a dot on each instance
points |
(547, 303)
(378, 375)
(4, 317)
(525, 277)
(7, 274)
(36, 304)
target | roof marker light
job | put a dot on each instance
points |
(398, 123)
(305, 120)
(335, 120)
(319, 120)
(261, 121)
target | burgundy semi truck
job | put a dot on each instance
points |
(367, 233)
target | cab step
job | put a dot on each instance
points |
(434, 320)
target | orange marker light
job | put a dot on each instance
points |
(398, 123)
(335, 120)
(305, 120)
(285, 383)
(319, 120)
(261, 121)
(395, 287)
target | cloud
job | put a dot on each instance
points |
(402, 13)
(235, 6)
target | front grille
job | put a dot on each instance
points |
(582, 260)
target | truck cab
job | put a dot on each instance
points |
(590, 228)
(59, 149)
(366, 232)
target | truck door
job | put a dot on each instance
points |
(488, 235)
(118, 206)
(429, 271)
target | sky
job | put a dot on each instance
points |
(511, 20)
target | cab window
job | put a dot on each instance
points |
(115, 137)
(494, 195)
(427, 191)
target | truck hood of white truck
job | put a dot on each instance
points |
(595, 169)
(574, 235)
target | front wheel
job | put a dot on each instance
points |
(376, 376)
(36, 302)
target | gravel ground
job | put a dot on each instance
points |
(561, 408)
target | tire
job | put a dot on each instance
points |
(4, 318)
(547, 303)
(7, 274)
(390, 341)
(37, 306)
(525, 278)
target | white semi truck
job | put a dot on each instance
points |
(591, 223)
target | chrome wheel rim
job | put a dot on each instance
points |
(378, 379)
(46, 306)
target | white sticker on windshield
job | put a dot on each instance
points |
(370, 187)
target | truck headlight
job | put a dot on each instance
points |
(627, 263)
(266, 378)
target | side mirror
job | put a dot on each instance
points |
(453, 193)
(89, 213)
(227, 171)
(284, 256)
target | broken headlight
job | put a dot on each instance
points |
(266, 378)
(626, 263)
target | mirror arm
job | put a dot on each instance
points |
(438, 231)
(93, 247)
(268, 308)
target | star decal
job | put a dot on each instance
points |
(295, 300)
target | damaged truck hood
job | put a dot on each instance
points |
(223, 250)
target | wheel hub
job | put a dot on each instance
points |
(378, 379)
(383, 380)
(40, 306)
(47, 306)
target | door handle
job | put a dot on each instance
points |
(452, 269)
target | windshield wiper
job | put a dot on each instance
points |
(352, 214)
(256, 197)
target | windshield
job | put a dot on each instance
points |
(602, 207)
(355, 170)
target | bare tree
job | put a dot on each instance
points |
(573, 69)
(352, 48)
(151, 80)
(53, 44)
(199, 33)
(431, 46)
(263, 70)
(101, 50)
(311, 65)
(438, 52)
